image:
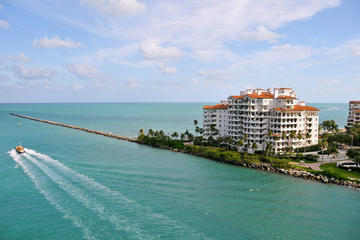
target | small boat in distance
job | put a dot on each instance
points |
(20, 149)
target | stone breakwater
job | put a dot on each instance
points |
(77, 128)
(263, 166)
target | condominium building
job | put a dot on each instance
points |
(354, 113)
(215, 117)
(274, 117)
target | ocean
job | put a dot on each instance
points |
(75, 185)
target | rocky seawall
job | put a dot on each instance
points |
(290, 172)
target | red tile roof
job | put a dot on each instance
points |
(298, 108)
(354, 101)
(262, 95)
(286, 97)
(237, 96)
(217, 106)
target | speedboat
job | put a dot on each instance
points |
(20, 149)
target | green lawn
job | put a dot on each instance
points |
(331, 167)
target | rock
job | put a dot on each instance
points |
(332, 180)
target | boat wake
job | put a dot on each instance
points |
(92, 195)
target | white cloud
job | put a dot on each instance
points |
(214, 75)
(167, 69)
(1, 6)
(4, 24)
(275, 56)
(261, 34)
(85, 71)
(55, 42)
(3, 77)
(77, 87)
(133, 83)
(351, 48)
(329, 82)
(32, 73)
(153, 51)
(20, 58)
(115, 8)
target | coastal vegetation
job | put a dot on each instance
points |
(332, 170)
(222, 150)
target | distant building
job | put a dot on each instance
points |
(216, 116)
(354, 113)
(274, 117)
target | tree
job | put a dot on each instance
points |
(268, 148)
(182, 136)
(141, 132)
(240, 143)
(292, 135)
(151, 132)
(197, 128)
(196, 122)
(276, 138)
(299, 137)
(175, 135)
(254, 146)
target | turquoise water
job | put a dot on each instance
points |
(74, 185)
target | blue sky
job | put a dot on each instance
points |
(181, 51)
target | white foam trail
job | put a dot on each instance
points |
(78, 194)
(162, 219)
(76, 221)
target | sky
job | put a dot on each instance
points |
(177, 51)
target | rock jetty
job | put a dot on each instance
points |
(77, 128)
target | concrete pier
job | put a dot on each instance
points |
(77, 128)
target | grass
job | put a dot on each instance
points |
(301, 168)
(331, 167)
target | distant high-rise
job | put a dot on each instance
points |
(354, 113)
(265, 117)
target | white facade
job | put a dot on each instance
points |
(354, 113)
(217, 116)
(269, 116)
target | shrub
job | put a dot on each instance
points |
(311, 148)
(311, 157)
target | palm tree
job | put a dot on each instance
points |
(240, 143)
(196, 122)
(141, 132)
(254, 146)
(175, 135)
(151, 132)
(292, 136)
(182, 136)
(299, 137)
(268, 148)
(228, 141)
(276, 138)
(219, 140)
(245, 137)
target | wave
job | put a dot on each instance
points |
(93, 187)
(67, 213)
(156, 218)
(120, 222)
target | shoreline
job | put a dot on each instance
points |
(262, 166)
(268, 168)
